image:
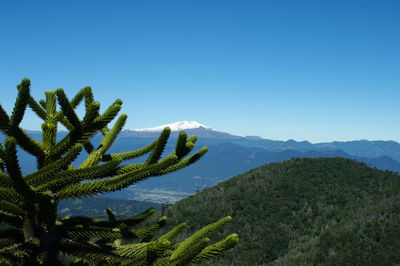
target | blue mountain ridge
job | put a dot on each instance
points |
(228, 156)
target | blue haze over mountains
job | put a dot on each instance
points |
(228, 156)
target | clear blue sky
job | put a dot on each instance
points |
(305, 70)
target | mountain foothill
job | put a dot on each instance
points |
(304, 211)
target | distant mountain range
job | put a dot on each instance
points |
(360, 148)
(190, 127)
(228, 155)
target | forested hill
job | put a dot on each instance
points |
(329, 211)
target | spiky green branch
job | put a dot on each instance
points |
(28, 204)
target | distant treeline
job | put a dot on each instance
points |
(96, 206)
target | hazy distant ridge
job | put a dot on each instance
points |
(360, 148)
(228, 155)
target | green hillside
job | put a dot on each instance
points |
(329, 211)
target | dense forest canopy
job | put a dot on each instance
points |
(304, 211)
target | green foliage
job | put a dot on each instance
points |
(31, 233)
(330, 211)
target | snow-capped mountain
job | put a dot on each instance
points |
(177, 126)
(190, 127)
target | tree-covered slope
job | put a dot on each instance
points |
(329, 211)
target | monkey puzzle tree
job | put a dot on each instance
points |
(28, 204)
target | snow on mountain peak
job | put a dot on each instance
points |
(177, 126)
